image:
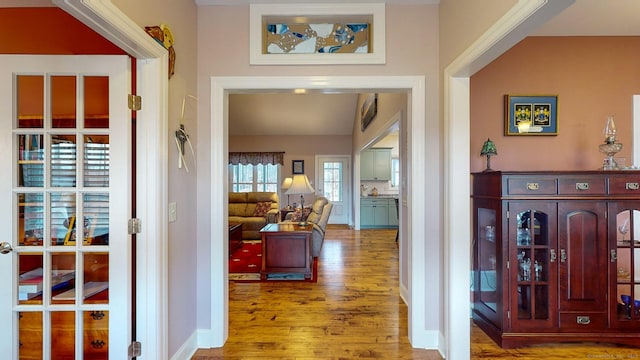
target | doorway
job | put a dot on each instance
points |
(412, 256)
(332, 177)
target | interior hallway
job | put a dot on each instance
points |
(353, 312)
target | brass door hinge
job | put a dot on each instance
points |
(135, 102)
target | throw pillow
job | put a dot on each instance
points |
(262, 208)
(300, 215)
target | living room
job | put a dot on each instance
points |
(335, 128)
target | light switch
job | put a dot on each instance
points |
(173, 211)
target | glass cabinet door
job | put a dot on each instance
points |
(486, 279)
(532, 264)
(626, 257)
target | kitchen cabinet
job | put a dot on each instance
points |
(378, 212)
(375, 164)
(554, 256)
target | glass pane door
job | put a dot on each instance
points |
(532, 264)
(61, 208)
(627, 271)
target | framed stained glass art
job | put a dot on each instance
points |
(320, 34)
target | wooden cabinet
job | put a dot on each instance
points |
(375, 164)
(556, 256)
(378, 212)
(286, 248)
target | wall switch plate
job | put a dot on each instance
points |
(173, 211)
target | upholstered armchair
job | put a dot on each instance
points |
(319, 216)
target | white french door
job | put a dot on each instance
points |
(64, 205)
(332, 179)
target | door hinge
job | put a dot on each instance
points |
(135, 349)
(135, 102)
(135, 226)
(508, 314)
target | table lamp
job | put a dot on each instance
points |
(488, 150)
(286, 184)
(300, 185)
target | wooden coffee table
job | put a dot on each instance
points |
(235, 237)
(286, 248)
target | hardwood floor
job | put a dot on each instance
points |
(354, 311)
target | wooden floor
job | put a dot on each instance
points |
(353, 312)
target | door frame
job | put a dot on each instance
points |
(347, 184)
(422, 332)
(151, 169)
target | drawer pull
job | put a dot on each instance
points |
(97, 315)
(533, 186)
(97, 344)
(583, 320)
(582, 186)
(632, 186)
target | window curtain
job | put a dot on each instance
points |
(255, 158)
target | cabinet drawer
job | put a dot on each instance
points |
(582, 186)
(582, 321)
(532, 186)
(374, 202)
(624, 185)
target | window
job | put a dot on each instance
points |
(333, 181)
(395, 172)
(247, 177)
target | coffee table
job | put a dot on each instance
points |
(286, 248)
(235, 237)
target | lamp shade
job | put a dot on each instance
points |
(300, 185)
(489, 148)
(286, 183)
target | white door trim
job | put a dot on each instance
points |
(419, 335)
(152, 137)
(512, 27)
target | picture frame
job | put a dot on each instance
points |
(531, 115)
(372, 14)
(369, 110)
(297, 166)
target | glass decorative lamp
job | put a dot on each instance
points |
(610, 147)
(488, 150)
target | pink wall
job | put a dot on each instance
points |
(593, 77)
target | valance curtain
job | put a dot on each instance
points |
(255, 158)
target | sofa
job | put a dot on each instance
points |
(319, 216)
(253, 210)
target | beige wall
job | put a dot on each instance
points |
(180, 16)
(463, 21)
(593, 77)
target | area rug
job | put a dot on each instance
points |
(245, 264)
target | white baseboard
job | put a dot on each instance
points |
(188, 349)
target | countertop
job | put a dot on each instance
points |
(391, 196)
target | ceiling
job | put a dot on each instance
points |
(333, 114)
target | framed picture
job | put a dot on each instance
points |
(281, 34)
(369, 110)
(297, 166)
(531, 115)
